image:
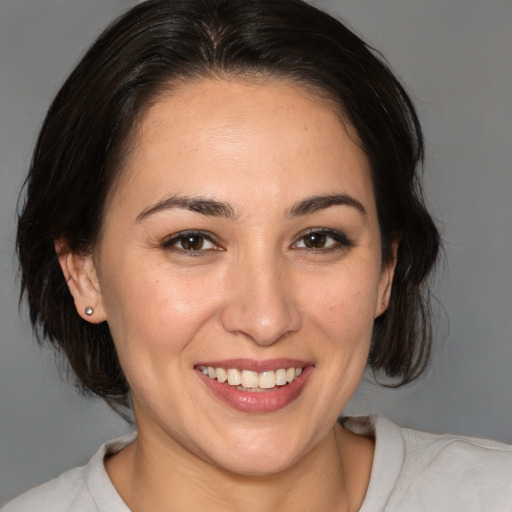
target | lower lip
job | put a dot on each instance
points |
(258, 401)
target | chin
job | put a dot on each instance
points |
(261, 455)
(261, 465)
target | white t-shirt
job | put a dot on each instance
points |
(412, 472)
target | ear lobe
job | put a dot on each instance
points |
(386, 282)
(83, 283)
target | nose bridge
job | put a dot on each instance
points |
(262, 305)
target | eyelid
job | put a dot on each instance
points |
(171, 240)
(339, 236)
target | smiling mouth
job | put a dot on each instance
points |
(250, 381)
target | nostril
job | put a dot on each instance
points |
(263, 325)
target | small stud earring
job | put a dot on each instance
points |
(89, 311)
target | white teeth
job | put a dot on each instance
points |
(250, 380)
(281, 377)
(222, 375)
(267, 380)
(234, 377)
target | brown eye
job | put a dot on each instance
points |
(315, 240)
(191, 242)
(323, 240)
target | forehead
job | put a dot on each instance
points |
(221, 137)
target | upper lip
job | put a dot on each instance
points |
(256, 365)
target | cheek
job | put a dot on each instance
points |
(155, 314)
(341, 316)
(344, 311)
(345, 300)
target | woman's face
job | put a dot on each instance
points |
(243, 237)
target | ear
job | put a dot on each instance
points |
(83, 283)
(386, 281)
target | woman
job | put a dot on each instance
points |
(229, 191)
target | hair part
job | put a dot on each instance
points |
(91, 128)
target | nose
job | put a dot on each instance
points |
(261, 304)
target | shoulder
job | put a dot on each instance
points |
(83, 489)
(56, 495)
(475, 473)
(415, 470)
(452, 452)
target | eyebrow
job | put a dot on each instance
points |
(213, 208)
(322, 202)
(200, 205)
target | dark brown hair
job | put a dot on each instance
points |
(88, 130)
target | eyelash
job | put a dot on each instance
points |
(172, 241)
(340, 239)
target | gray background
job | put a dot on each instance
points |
(455, 59)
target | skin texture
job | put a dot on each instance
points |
(254, 291)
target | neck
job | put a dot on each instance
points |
(334, 475)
